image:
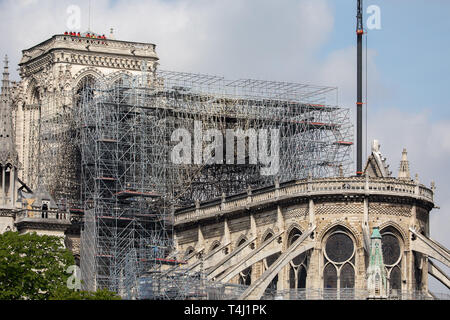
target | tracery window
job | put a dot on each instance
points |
(245, 275)
(339, 264)
(298, 265)
(85, 90)
(392, 244)
(272, 287)
(35, 97)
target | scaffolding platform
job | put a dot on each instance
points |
(131, 193)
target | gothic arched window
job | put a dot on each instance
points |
(214, 246)
(392, 244)
(85, 90)
(35, 97)
(298, 265)
(189, 251)
(339, 263)
(245, 275)
(266, 265)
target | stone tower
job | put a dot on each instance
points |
(9, 160)
(53, 74)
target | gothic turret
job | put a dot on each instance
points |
(376, 273)
(403, 172)
(8, 153)
(9, 159)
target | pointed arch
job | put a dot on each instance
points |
(394, 225)
(266, 234)
(189, 250)
(32, 88)
(356, 236)
(241, 240)
(118, 75)
(214, 245)
(85, 72)
(289, 231)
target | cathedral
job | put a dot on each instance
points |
(36, 195)
(363, 237)
(340, 237)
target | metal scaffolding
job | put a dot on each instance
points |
(315, 134)
(110, 149)
(123, 163)
(54, 146)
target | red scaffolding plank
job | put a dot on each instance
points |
(106, 178)
(346, 143)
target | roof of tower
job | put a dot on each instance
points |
(8, 153)
(375, 233)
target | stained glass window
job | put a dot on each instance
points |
(245, 277)
(272, 286)
(392, 253)
(347, 276)
(293, 236)
(339, 247)
(301, 282)
(391, 249)
(330, 277)
(395, 280)
(339, 272)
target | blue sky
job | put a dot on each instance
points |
(306, 41)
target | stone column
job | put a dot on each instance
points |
(11, 186)
(424, 285)
(311, 213)
(282, 276)
(3, 185)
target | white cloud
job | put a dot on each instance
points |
(258, 38)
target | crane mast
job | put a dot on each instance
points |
(359, 103)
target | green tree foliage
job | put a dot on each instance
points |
(34, 267)
(102, 294)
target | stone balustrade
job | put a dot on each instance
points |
(312, 187)
(42, 215)
(63, 41)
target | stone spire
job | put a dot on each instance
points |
(8, 153)
(5, 80)
(376, 272)
(403, 172)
